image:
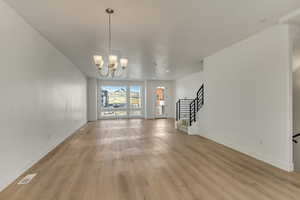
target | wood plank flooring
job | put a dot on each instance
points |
(150, 160)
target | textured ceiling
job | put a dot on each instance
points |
(163, 39)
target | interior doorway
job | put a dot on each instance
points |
(160, 102)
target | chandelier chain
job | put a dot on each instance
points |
(109, 32)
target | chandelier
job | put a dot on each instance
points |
(114, 67)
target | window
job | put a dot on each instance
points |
(135, 112)
(136, 97)
(114, 97)
(121, 101)
(114, 113)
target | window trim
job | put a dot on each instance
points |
(128, 107)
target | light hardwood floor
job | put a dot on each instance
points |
(150, 160)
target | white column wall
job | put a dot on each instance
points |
(92, 99)
(248, 97)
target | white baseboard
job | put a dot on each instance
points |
(190, 133)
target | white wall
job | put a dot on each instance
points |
(296, 116)
(295, 39)
(92, 99)
(248, 97)
(43, 96)
(187, 87)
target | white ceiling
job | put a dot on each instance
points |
(163, 39)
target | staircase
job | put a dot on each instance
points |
(187, 109)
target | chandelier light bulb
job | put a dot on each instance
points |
(113, 59)
(101, 64)
(124, 62)
(98, 59)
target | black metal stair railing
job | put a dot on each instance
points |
(193, 110)
(183, 109)
(188, 108)
(295, 136)
(200, 98)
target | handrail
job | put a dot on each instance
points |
(297, 135)
(294, 136)
(188, 108)
(182, 108)
(196, 104)
(192, 112)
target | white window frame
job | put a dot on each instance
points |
(127, 84)
(142, 101)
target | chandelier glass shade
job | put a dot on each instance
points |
(113, 67)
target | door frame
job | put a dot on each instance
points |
(166, 94)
